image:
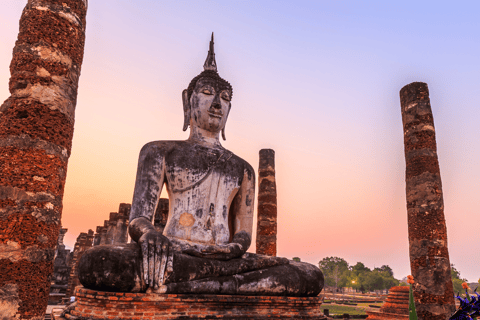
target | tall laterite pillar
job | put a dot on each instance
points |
(267, 204)
(427, 232)
(36, 130)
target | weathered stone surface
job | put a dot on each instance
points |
(427, 232)
(100, 305)
(161, 215)
(118, 268)
(61, 271)
(267, 204)
(36, 130)
(83, 243)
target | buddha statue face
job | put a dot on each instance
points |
(209, 105)
(206, 103)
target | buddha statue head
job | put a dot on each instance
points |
(206, 101)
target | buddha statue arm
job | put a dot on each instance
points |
(242, 210)
(154, 246)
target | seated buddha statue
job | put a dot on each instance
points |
(203, 247)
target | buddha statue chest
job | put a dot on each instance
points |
(201, 184)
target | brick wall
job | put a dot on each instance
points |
(118, 305)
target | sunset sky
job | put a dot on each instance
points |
(317, 81)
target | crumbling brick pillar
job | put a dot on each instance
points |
(36, 130)
(427, 232)
(267, 204)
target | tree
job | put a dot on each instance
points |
(456, 280)
(374, 281)
(335, 271)
(387, 269)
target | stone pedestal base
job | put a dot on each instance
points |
(99, 305)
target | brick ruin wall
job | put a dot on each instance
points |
(97, 305)
(36, 130)
(83, 243)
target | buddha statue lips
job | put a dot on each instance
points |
(202, 248)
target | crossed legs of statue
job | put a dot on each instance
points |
(118, 268)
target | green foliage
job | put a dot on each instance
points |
(338, 273)
(456, 280)
(335, 270)
(411, 306)
(296, 259)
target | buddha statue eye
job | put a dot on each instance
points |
(208, 91)
(225, 96)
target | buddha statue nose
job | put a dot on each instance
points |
(216, 102)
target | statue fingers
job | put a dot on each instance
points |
(170, 261)
(163, 263)
(151, 263)
(158, 256)
(144, 246)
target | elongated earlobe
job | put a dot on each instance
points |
(186, 110)
(223, 130)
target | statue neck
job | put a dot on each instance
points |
(204, 137)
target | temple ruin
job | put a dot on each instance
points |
(427, 231)
(36, 131)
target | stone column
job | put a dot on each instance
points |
(36, 130)
(267, 204)
(427, 232)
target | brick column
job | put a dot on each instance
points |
(36, 130)
(427, 232)
(267, 204)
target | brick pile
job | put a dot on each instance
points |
(395, 307)
(427, 230)
(267, 205)
(99, 305)
(36, 130)
(115, 229)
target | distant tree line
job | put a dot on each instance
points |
(338, 274)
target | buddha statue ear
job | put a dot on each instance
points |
(186, 110)
(223, 130)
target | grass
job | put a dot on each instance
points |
(352, 310)
(336, 309)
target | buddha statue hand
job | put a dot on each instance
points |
(239, 245)
(157, 252)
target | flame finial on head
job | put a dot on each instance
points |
(210, 63)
